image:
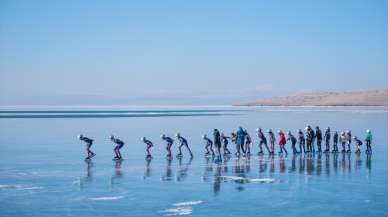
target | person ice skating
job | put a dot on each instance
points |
(119, 145)
(233, 138)
(309, 139)
(262, 141)
(282, 142)
(293, 142)
(343, 141)
(327, 139)
(302, 142)
(348, 139)
(272, 141)
(89, 143)
(318, 135)
(149, 146)
(240, 140)
(183, 142)
(225, 143)
(313, 138)
(208, 144)
(169, 142)
(358, 144)
(368, 141)
(335, 142)
(217, 144)
(248, 142)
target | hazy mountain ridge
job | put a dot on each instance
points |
(352, 98)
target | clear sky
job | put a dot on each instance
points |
(58, 52)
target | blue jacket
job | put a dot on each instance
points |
(240, 137)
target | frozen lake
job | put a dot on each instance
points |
(43, 172)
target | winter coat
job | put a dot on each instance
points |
(240, 137)
(282, 139)
(368, 137)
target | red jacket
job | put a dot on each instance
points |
(282, 139)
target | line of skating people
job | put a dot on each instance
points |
(309, 141)
(243, 141)
(119, 144)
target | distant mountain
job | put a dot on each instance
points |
(353, 98)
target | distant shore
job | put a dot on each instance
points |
(353, 98)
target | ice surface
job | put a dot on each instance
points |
(42, 171)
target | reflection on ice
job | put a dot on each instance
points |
(248, 170)
(88, 175)
(268, 167)
(118, 174)
(148, 169)
(183, 169)
(168, 174)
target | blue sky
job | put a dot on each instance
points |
(211, 52)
